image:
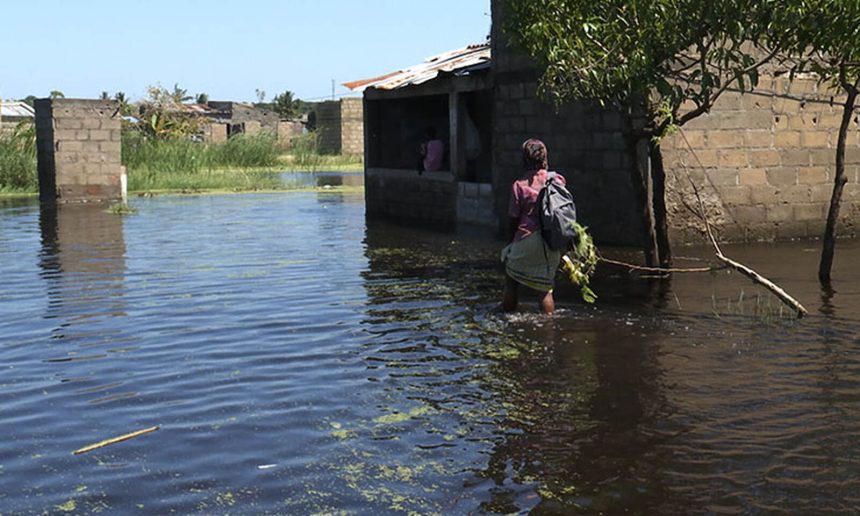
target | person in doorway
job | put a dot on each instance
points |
(529, 262)
(432, 152)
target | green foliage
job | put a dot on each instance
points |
(180, 95)
(121, 208)
(18, 159)
(162, 119)
(284, 105)
(141, 153)
(580, 263)
(202, 98)
(661, 52)
(57, 94)
(304, 155)
(186, 165)
(822, 37)
(304, 150)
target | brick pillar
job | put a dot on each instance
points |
(79, 146)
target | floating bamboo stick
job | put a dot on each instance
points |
(114, 440)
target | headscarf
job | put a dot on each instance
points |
(534, 155)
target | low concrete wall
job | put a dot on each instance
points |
(402, 195)
(79, 146)
(475, 204)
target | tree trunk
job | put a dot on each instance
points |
(839, 181)
(661, 224)
(641, 179)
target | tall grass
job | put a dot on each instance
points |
(182, 154)
(18, 159)
(304, 155)
(182, 164)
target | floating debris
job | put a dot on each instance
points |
(114, 440)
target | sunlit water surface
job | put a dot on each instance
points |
(298, 361)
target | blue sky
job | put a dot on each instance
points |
(226, 49)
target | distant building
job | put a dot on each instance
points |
(13, 112)
(245, 118)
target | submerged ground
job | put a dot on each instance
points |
(300, 361)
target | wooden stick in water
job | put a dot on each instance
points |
(114, 440)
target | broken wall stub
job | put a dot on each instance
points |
(79, 145)
(352, 126)
(340, 126)
(328, 127)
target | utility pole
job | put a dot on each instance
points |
(332, 89)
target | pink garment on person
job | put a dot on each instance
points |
(523, 203)
(433, 154)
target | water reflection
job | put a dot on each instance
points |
(322, 179)
(83, 263)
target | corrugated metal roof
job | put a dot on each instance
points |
(196, 109)
(460, 61)
(14, 108)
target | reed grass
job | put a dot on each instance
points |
(304, 155)
(765, 308)
(182, 164)
(18, 160)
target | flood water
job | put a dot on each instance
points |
(299, 361)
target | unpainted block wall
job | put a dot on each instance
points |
(79, 146)
(764, 163)
(215, 132)
(340, 126)
(287, 130)
(585, 143)
(352, 126)
(429, 199)
(328, 127)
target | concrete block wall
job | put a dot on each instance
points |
(215, 132)
(585, 143)
(429, 199)
(251, 127)
(764, 163)
(340, 126)
(79, 148)
(352, 126)
(475, 204)
(287, 130)
(328, 127)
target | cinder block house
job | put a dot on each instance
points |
(764, 160)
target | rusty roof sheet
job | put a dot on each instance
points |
(16, 109)
(460, 61)
(196, 109)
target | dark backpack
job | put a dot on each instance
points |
(557, 214)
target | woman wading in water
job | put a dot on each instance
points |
(528, 260)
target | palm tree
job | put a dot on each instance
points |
(180, 95)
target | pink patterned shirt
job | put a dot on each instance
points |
(433, 154)
(523, 202)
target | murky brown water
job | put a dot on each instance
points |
(300, 362)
